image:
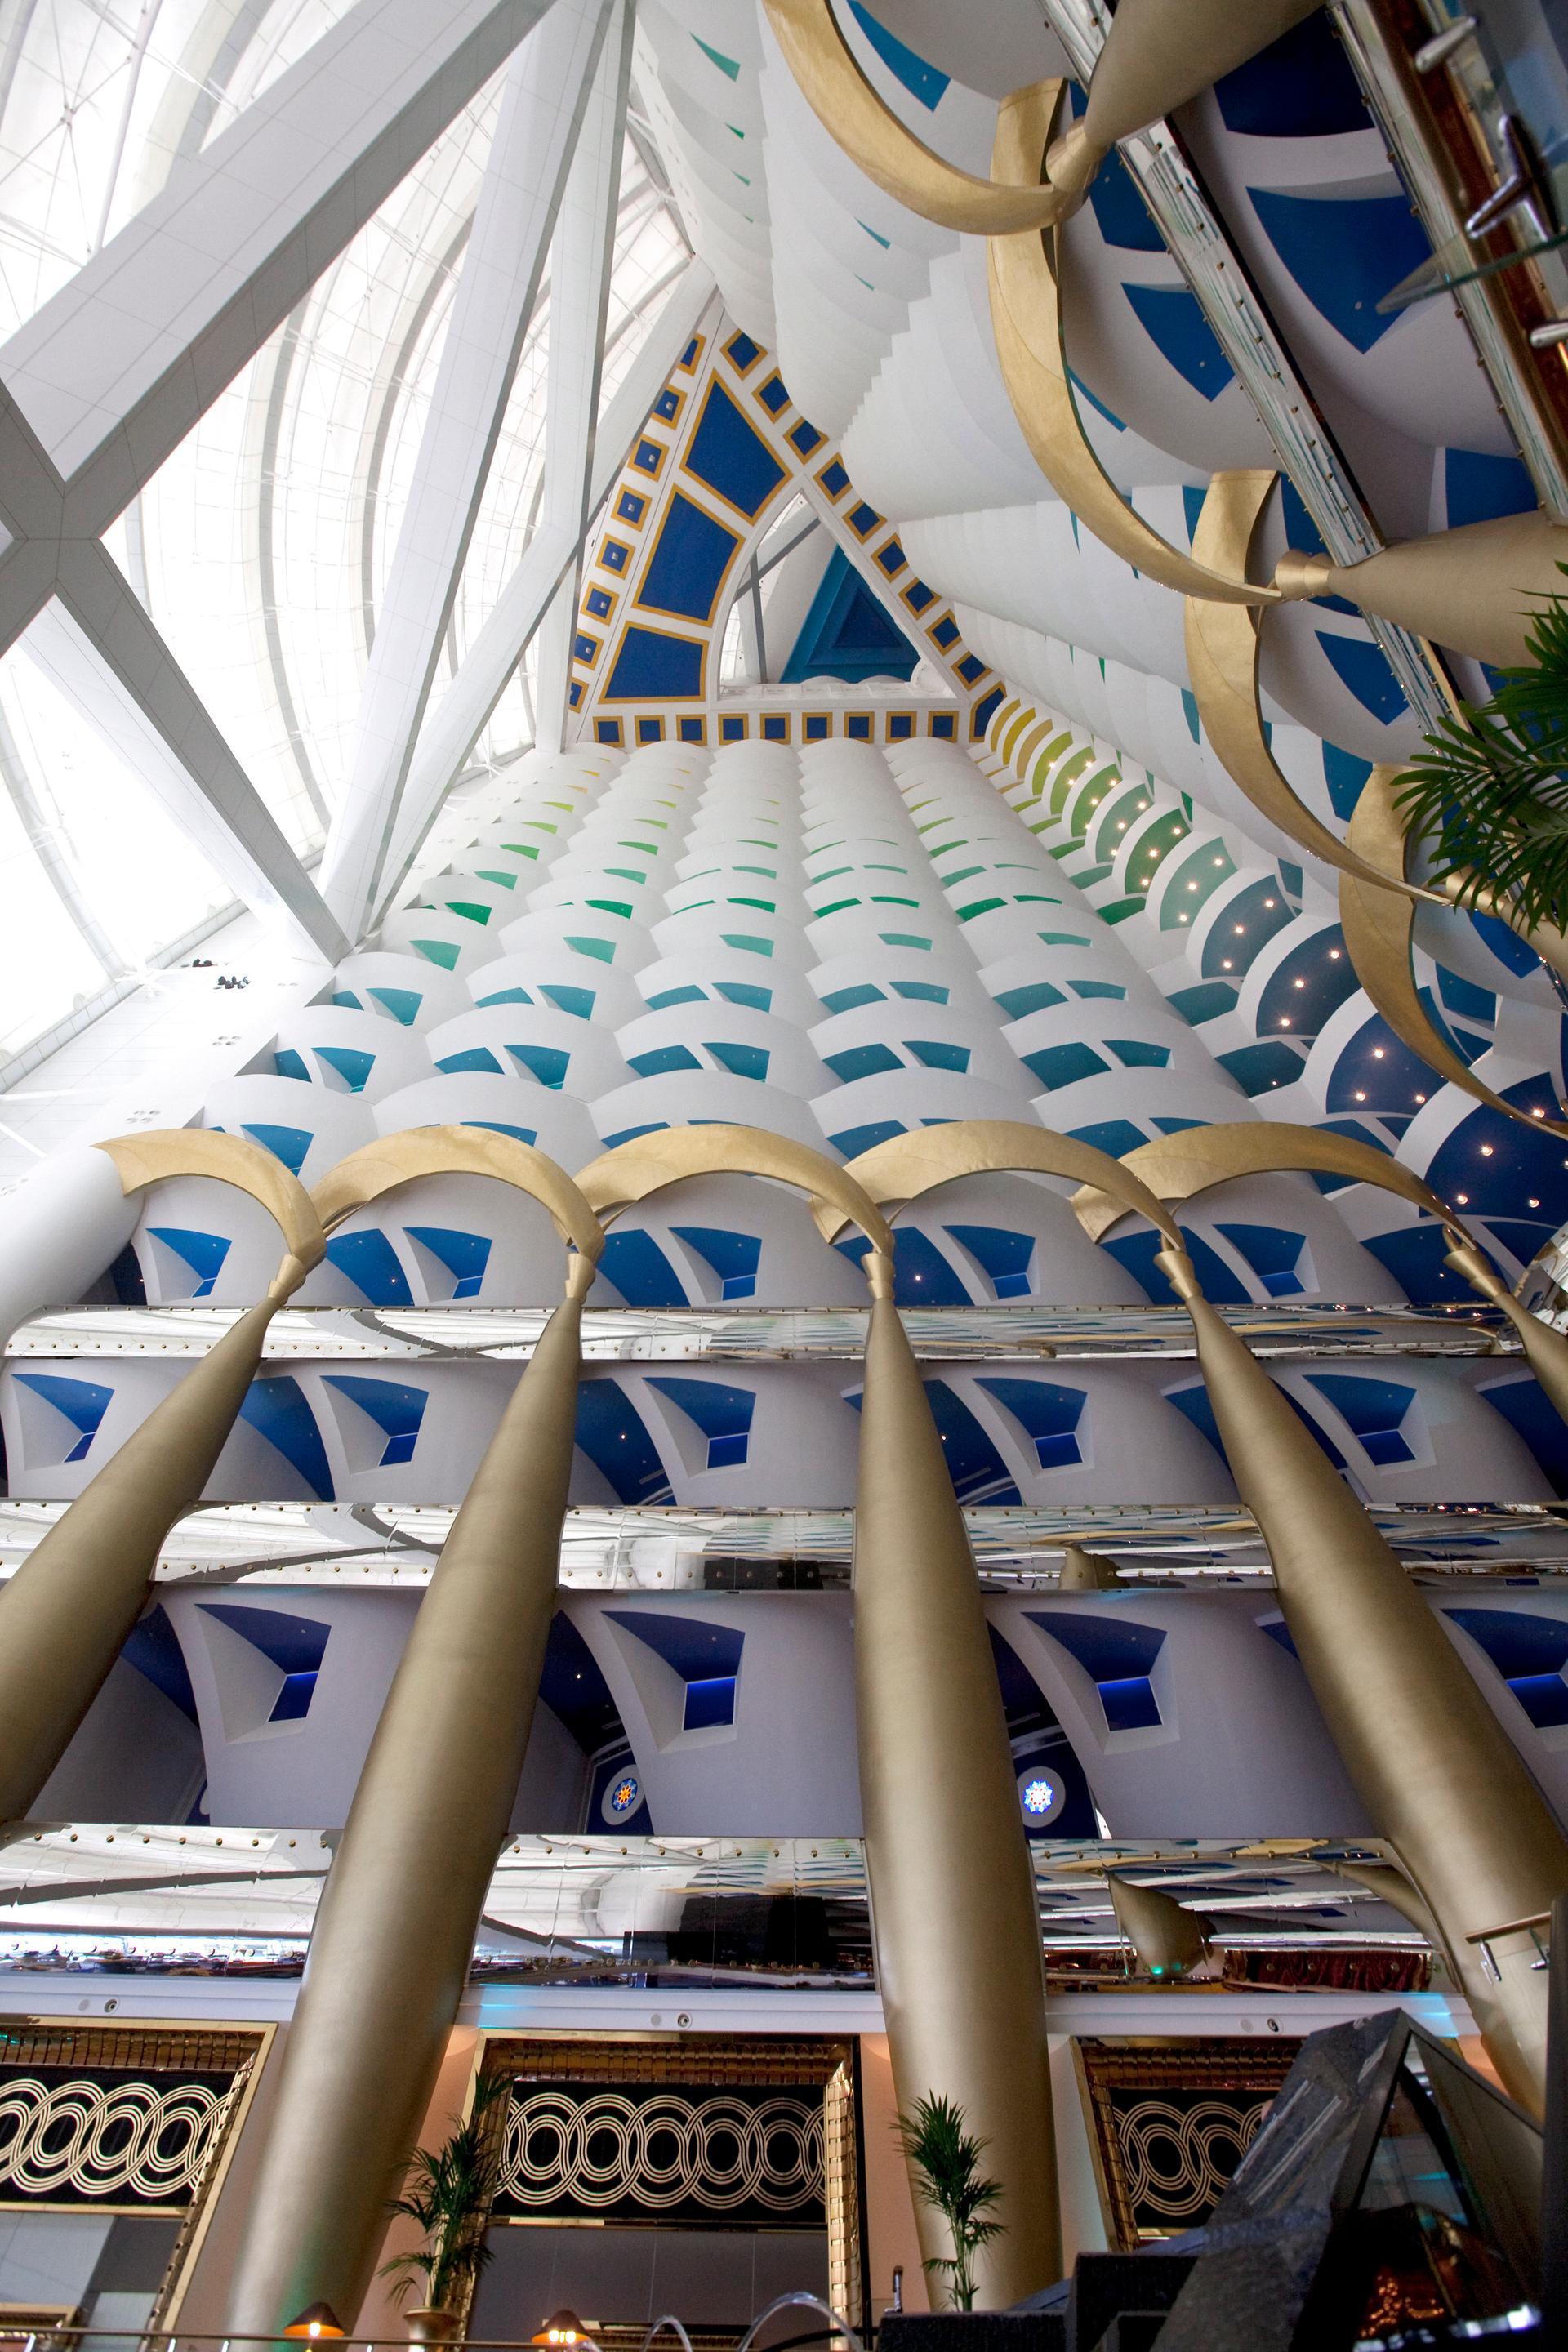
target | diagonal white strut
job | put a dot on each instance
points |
(457, 721)
(113, 372)
(542, 106)
(580, 276)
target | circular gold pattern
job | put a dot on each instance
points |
(125, 2139)
(1168, 2154)
(662, 2151)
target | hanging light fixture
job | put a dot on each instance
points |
(561, 2331)
(317, 2320)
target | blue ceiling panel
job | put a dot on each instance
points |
(687, 567)
(732, 459)
(846, 634)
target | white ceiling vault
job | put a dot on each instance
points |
(333, 334)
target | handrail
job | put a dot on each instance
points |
(40, 2338)
(807, 2300)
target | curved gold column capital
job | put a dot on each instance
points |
(1223, 646)
(830, 81)
(1380, 932)
(415, 1152)
(1175, 1167)
(152, 1159)
(906, 1167)
(635, 1170)
(1028, 323)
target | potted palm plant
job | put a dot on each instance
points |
(447, 2192)
(1488, 794)
(945, 2162)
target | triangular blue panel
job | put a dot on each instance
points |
(846, 634)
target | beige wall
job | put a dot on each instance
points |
(382, 2313)
(890, 2211)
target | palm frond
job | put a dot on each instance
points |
(945, 2159)
(1488, 794)
(448, 2193)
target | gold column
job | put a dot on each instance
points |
(64, 1615)
(1157, 55)
(394, 1933)
(1477, 589)
(952, 1900)
(1433, 1766)
(1440, 1778)
(952, 1890)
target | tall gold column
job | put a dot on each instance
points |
(1158, 54)
(1476, 588)
(1440, 1778)
(952, 1890)
(394, 1933)
(65, 1613)
(952, 1900)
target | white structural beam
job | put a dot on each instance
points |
(95, 641)
(457, 721)
(114, 370)
(542, 112)
(580, 280)
(95, 637)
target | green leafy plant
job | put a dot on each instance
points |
(447, 2192)
(945, 2160)
(1489, 794)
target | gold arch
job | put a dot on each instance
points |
(1379, 931)
(1175, 1167)
(377, 1168)
(830, 81)
(143, 1159)
(1222, 645)
(906, 1167)
(1028, 324)
(634, 1171)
